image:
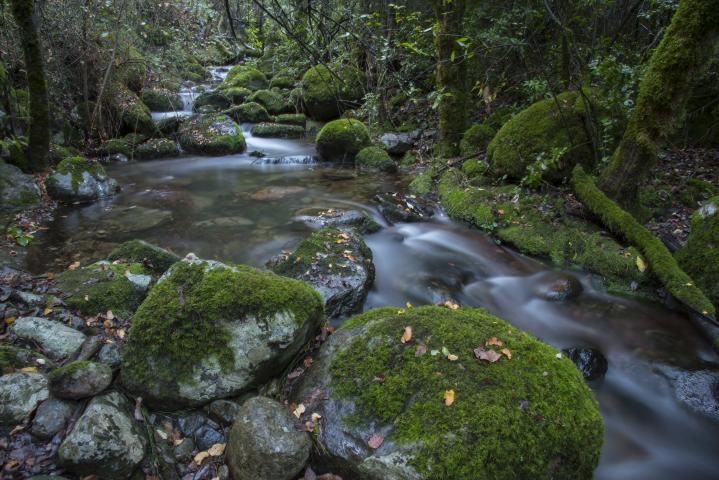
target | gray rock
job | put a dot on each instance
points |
(47, 477)
(264, 443)
(224, 411)
(80, 379)
(16, 358)
(207, 435)
(398, 143)
(140, 282)
(184, 451)
(88, 187)
(698, 390)
(224, 222)
(110, 355)
(19, 394)
(52, 416)
(589, 361)
(191, 422)
(105, 440)
(56, 340)
(17, 190)
(89, 347)
(341, 218)
(30, 299)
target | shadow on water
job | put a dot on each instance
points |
(243, 209)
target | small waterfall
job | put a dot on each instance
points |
(287, 160)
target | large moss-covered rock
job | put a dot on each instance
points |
(527, 414)
(103, 286)
(277, 130)
(298, 119)
(212, 135)
(476, 139)
(156, 148)
(17, 190)
(105, 441)
(216, 99)
(78, 179)
(325, 96)
(337, 263)
(129, 110)
(272, 101)
(375, 159)
(245, 76)
(340, 140)
(250, 112)
(209, 330)
(161, 100)
(700, 257)
(139, 251)
(550, 128)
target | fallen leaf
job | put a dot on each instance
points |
(109, 315)
(421, 350)
(216, 450)
(10, 320)
(29, 369)
(641, 265)
(507, 353)
(452, 357)
(493, 341)
(50, 275)
(434, 353)
(296, 373)
(74, 266)
(451, 305)
(409, 305)
(375, 441)
(200, 457)
(309, 474)
(297, 412)
(488, 355)
(407, 335)
(308, 362)
(47, 311)
(315, 417)
(448, 397)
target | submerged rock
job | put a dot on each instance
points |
(264, 443)
(16, 189)
(19, 395)
(56, 339)
(77, 179)
(337, 263)
(356, 219)
(80, 379)
(209, 330)
(105, 441)
(558, 286)
(590, 361)
(401, 406)
(400, 208)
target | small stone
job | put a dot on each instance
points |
(590, 361)
(89, 347)
(184, 451)
(206, 436)
(52, 416)
(110, 355)
(80, 379)
(224, 411)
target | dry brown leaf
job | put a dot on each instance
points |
(375, 441)
(217, 449)
(10, 320)
(29, 369)
(452, 357)
(448, 397)
(200, 457)
(297, 412)
(507, 353)
(47, 311)
(74, 266)
(488, 355)
(407, 335)
(451, 305)
(493, 341)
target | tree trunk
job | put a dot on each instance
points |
(39, 137)
(679, 59)
(451, 76)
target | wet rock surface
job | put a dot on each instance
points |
(265, 444)
(558, 286)
(400, 208)
(590, 361)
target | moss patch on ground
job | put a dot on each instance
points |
(531, 416)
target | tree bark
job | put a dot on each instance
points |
(679, 59)
(451, 76)
(39, 137)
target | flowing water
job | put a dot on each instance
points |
(244, 209)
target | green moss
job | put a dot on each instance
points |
(700, 257)
(528, 417)
(182, 321)
(129, 109)
(469, 205)
(474, 168)
(161, 100)
(277, 130)
(325, 96)
(100, 287)
(476, 139)
(409, 160)
(250, 112)
(298, 119)
(217, 99)
(69, 371)
(14, 358)
(696, 190)
(375, 158)
(138, 251)
(237, 94)
(273, 102)
(340, 140)
(131, 69)
(75, 166)
(556, 123)
(157, 148)
(621, 223)
(211, 135)
(245, 76)
(282, 81)
(422, 184)
(125, 145)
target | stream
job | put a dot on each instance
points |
(244, 209)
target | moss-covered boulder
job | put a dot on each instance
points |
(551, 131)
(298, 119)
(129, 110)
(124, 145)
(325, 96)
(237, 94)
(169, 126)
(139, 251)
(340, 140)
(700, 257)
(17, 190)
(209, 330)
(78, 179)
(157, 148)
(103, 286)
(245, 76)
(375, 159)
(211, 135)
(282, 81)
(337, 263)
(434, 393)
(476, 139)
(216, 99)
(249, 112)
(272, 101)
(279, 130)
(161, 100)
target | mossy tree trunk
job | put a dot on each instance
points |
(679, 59)
(39, 138)
(451, 75)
